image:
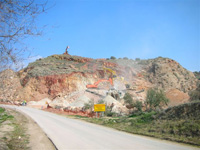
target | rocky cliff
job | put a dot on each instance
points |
(65, 77)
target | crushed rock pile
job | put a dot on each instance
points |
(117, 107)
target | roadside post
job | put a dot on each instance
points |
(99, 108)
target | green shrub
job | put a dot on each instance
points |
(4, 116)
(128, 100)
(137, 59)
(112, 57)
(126, 58)
(195, 94)
(146, 117)
(109, 112)
(155, 99)
(138, 106)
(197, 74)
(89, 105)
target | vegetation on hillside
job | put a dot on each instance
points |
(130, 103)
(195, 94)
(180, 123)
(155, 99)
(197, 74)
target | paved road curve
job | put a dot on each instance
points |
(71, 134)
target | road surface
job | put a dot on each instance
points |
(71, 134)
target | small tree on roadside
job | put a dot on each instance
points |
(155, 99)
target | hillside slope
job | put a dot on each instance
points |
(64, 78)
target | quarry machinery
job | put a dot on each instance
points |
(119, 78)
(113, 76)
(95, 85)
(110, 80)
(113, 73)
(117, 94)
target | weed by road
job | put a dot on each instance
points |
(12, 131)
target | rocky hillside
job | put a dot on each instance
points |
(63, 79)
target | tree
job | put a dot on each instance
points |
(17, 22)
(138, 106)
(155, 99)
(112, 57)
(128, 100)
(126, 58)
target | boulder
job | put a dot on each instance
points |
(39, 104)
(59, 101)
(117, 107)
(80, 102)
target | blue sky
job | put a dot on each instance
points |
(122, 28)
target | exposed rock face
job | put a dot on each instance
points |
(63, 79)
(176, 97)
(166, 74)
(37, 88)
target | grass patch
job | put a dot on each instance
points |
(18, 138)
(149, 124)
(15, 138)
(4, 116)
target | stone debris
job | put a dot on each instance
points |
(59, 102)
(117, 107)
(80, 102)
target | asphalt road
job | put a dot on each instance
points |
(71, 134)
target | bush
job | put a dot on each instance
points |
(88, 105)
(195, 94)
(109, 112)
(155, 99)
(128, 100)
(197, 74)
(138, 106)
(125, 58)
(112, 57)
(137, 59)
